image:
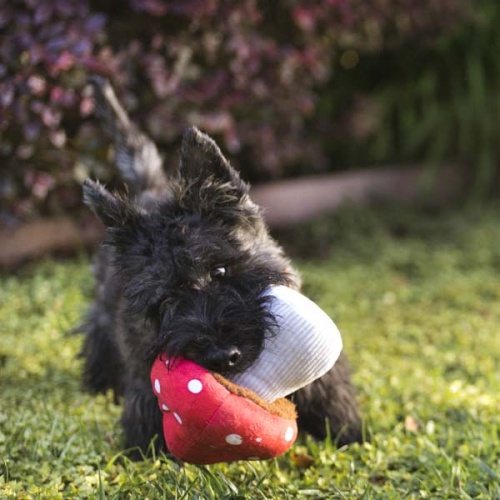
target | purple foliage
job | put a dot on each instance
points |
(248, 72)
(46, 51)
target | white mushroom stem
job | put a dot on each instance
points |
(305, 346)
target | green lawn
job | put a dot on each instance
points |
(417, 298)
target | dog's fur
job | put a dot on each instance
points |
(186, 259)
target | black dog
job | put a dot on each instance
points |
(185, 263)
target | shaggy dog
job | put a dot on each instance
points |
(182, 271)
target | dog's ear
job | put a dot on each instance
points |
(201, 158)
(213, 187)
(126, 231)
(113, 210)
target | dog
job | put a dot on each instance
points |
(182, 271)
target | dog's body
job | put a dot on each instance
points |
(186, 261)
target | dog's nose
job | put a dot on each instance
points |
(223, 359)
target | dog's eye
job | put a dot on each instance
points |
(218, 272)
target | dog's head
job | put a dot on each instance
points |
(194, 260)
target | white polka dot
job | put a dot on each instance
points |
(195, 386)
(164, 408)
(167, 362)
(234, 439)
(157, 386)
(259, 440)
(289, 434)
(179, 419)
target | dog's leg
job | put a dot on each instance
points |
(102, 364)
(331, 401)
(142, 421)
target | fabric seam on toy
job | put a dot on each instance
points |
(280, 408)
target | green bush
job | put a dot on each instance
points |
(433, 102)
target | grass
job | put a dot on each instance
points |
(417, 298)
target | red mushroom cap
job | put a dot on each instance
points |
(207, 419)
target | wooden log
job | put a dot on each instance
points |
(284, 202)
(47, 236)
(298, 200)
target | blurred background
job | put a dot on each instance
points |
(290, 89)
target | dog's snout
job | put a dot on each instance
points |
(223, 359)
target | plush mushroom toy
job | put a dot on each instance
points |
(208, 418)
